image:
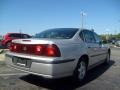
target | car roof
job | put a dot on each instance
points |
(73, 28)
(15, 33)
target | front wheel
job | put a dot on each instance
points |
(80, 71)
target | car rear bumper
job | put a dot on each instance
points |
(46, 68)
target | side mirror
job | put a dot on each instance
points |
(99, 42)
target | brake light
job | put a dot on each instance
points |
(15, 47)
(40, 49)
(11, 47)
(47, 50)
(52, 51)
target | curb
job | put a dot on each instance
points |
(13, 74)
(1, 51)
(2, 55)
(116, 47)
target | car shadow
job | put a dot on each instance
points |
(2, 47)
(66, 83)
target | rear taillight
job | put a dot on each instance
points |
(40, 49)
(47, 50)
(15, 47)
(52, 51)
(11, 47)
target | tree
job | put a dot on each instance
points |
(118, 36)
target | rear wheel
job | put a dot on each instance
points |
(107, 60)
(80, 71)
(8, 44)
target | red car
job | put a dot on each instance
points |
(11, 36)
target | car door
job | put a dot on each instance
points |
(92, 46)
(101, 49)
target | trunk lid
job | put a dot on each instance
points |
(43, 41)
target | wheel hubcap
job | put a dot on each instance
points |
(8, 45)
(82, 70)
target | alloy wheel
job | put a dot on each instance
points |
(81, 70)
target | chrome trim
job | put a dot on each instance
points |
(98, 54)
(54, 62)
(46, 62)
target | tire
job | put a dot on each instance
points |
(8, 44)
(107, 60)
(81, 70)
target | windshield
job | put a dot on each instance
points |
(61, 33)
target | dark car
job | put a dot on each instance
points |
(11, 36)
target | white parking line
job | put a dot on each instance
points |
(13, 74)
(116, 47)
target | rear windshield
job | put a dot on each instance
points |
(61, 33)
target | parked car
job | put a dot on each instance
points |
(1, 38)
(59, 52)
(11, 36)
(117, 43)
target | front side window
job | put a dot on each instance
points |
(97, 38)
(12, 35)
(81, 35)
(59, 33)
(25, 36)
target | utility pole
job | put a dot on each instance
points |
(20, 31)
(82, 15)
(107, 35)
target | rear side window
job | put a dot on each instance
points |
(89, 37)
(81, 35)
(12, 35)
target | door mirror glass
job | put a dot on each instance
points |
(99, 42)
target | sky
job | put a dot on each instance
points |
(34, 16)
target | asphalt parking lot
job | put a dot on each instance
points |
(99, 78)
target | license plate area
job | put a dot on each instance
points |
(23, 62)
